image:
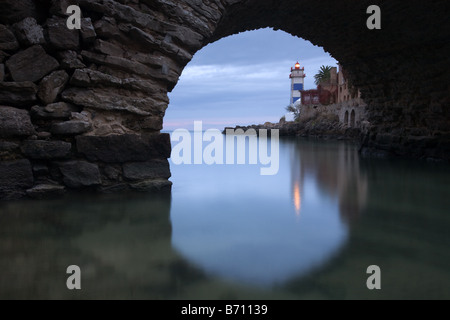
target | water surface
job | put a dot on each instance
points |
(225, 232)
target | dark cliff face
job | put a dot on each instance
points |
(77, 107)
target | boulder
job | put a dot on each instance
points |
(129, 66)
(31, 64)
(52, 85)
(46, 191)
(16, 174)
(125, 13)
(119, 63)
(81, 116)
(187, 36)
(59, 110)
(12, 11)
(104, 99)
(3, 56)
(158, 185)
(87, 30)
(69, 60)
(15, 177)
(112, 173)
(18, 94)
(59, 7)
(60, 36)
(147, 170)
(110, 49)
(9, 151)
(140, 36)
(93, 78)
(8, 146)
(107, 27)
(2, 72)
(124, 148)
(115, 188)
(44, 135)
(8, 41)
(28, 32)
(45, 150)
(79, 174)
(40, 170)
(71, 128)
(15, 123)
(152, 123)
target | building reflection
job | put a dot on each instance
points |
(335, 166)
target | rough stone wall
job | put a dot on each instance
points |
(84, 109)
(342, 110)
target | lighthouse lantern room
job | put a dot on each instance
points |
(297, 77)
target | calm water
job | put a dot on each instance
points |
(226, 232)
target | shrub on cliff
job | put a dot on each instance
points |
(295, 110)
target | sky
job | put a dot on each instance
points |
(242, 80)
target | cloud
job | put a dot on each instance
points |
(237, 72)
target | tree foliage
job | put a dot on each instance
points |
(294, 110)
(323, 75)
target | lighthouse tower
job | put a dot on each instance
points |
(297, 82)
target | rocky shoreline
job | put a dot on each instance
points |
(328, 127)
(325, 127)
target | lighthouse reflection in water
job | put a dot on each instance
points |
(263, 230)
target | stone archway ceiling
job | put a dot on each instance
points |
(91, 103)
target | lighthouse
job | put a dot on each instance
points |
(297, 77)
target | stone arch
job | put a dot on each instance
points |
(353, 119)
(129, 54)
(380, 89)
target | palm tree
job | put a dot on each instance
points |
(323, 75)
